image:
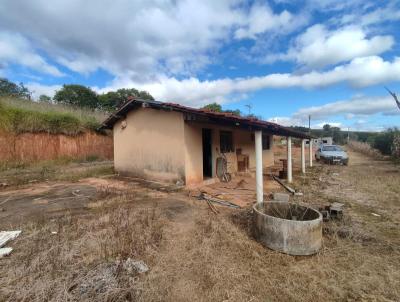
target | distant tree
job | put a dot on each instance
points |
(8, 88)
(363, 136)
(234, 112)
(254, 116)
(383, 141)
(77, 95)
(112, 100)
(44, 98)
(300, 128)
(326, 128)
(337, 135)
(214, 107)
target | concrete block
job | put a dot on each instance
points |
(282, 197)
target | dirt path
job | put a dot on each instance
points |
(368, 182)
(370, 190)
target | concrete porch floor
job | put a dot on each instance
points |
(241, 190)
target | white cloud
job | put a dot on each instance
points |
(39, 89)
(262, 19)
(318, 47)
(359, 72)
(294, 121)
(286, 121)
(144, 38)
(16, 49)
(191, 91)
(359, 106)
(390, 12)
(332, 124)
(357, 112)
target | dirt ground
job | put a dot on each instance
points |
(77, 237)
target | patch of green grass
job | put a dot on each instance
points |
(52, 171)
(61, 161)
(19, 116)
(89, 172)
(91, 158)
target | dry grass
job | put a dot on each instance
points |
(20, 116)
(365, 149)
(195, 255)
(220, 262)
(214, 260)
(80, 113)
(81, 261)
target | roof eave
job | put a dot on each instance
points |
(252, 123)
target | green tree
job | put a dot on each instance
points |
(327, 128)
(112, 100)
(337, 135)
(384, 141)
(234, 112)
(8, 88)
(254, 116)
(44, 98)
(214, 107)
(77, 95)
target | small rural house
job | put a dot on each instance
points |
(170, 142)
(328, 140)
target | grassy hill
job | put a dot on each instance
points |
(20, 116)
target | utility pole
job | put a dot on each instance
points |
(309, 124)
(348, 134)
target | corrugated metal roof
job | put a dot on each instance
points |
(213, 117)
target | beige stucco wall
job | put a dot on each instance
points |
(151, 145)
(194, 151)
(159, 145)
(193, 154)
(245, 141)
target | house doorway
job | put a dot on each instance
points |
(207, 153)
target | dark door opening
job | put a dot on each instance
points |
(207, 154)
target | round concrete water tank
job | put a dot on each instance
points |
(287, 227)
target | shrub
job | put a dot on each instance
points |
(384, 141)
(378, 144)
(396, 146)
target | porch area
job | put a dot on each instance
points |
(229, 159)
(240, 190)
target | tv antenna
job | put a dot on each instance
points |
(249, 106)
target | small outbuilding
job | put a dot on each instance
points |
(327, 140)
(170, 142)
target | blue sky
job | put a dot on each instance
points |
(287, 59)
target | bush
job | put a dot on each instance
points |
(378, 144)
(384, 141)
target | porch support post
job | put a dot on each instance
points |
(303, 157)
(289, 159)
(259, 166)
(311, 151)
